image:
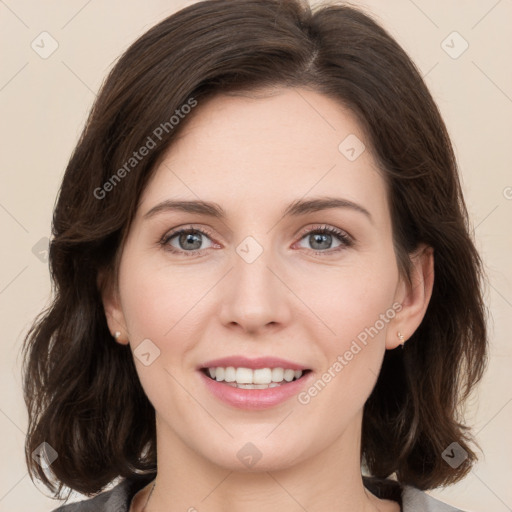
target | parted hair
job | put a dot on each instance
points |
(82, 392)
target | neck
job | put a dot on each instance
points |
(331, 480)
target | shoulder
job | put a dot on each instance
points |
(413, 500)
(117, 499)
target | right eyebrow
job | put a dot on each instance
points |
(200, 207)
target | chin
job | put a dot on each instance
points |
(256, 456)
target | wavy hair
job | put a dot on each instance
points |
(81, 388)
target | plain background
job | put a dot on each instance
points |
(44, 103)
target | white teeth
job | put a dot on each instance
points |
(277, 374)
(262, 376)
(289, 375)
(230, 374)
(253, 386)
(246, 377)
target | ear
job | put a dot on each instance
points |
(414, 296)
(112, 307)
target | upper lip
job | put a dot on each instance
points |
(253, 363)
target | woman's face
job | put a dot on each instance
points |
(261, 281)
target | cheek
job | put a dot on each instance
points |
(352, 299)
(145, 306)
(158, 300)
(357, 306)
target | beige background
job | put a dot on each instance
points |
(44, 103)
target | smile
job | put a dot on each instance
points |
(258, 378)
(254, 383)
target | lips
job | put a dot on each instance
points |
(255, 399)
(253, 363)
(291, 377)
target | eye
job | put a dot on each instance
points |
(321, 239)
(187, 241)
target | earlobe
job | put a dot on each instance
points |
(414, 296)
(113, 311)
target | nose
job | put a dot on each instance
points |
(254, 294)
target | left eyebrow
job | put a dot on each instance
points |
(295, 209)
(303, 206)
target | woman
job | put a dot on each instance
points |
(264, 280)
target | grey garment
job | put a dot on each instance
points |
(118, 499)
(415, 500)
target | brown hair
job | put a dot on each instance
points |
(81, 388)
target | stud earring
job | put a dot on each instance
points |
(401, 338)
(117, 335)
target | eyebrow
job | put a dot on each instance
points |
(295, 209)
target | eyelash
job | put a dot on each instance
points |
(344, 238)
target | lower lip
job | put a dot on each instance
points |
(255, 398)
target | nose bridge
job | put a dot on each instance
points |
(252, 264)
(256, 297)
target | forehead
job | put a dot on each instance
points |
(268, 148)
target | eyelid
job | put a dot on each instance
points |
(346, 240)
(327, 228)
(188, 227)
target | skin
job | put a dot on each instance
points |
(254, 154)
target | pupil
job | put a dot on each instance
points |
(187, 238)
(318, 238)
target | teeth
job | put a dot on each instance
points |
(230, 374)
(289, 375)
(260, 378)
(220, 373)
(244, 376)
(253, 386)
(277, 374)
